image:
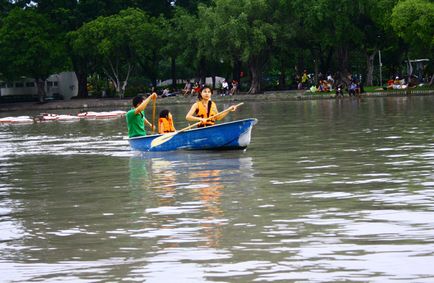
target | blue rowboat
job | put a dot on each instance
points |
(230, 135)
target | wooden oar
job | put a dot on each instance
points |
(166, 137)
(154, 109)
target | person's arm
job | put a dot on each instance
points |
(145, 103)
(221, 116)
(149, 124)
(160, 126)
(190, 115)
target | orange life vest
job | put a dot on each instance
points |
(202, 112)
(165, 125)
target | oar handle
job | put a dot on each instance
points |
(213, 116)
(154, 109)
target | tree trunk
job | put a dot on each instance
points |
(342, 57)
(82, 84)
(154, 81)
(236, 71)
(81, 71)
(123, 88)
(40, 84)
(173, 72)
(201, 71)
(328, 61)
(117, 85)
(213, 81)
(317, 61)
(255, 77)
(370, 68)
(282, 77)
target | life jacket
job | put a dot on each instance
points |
(205, 112)
(165, 125)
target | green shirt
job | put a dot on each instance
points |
(136, 124)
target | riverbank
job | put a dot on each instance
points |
(115, 103)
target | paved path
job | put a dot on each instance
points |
(124, 104)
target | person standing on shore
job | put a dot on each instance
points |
(304, 79)
(225, 88)
(136, 116)
(205, 108)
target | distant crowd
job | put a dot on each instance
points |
(352, 84)
(224, 89)
(195, 88)
(329, 84)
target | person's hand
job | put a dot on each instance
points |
(233, 108)
(154, 96)
(203, 120)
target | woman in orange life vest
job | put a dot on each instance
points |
(205, 108)
(165, 122)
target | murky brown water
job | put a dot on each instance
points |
(328, 191)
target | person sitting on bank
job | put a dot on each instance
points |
(339, 90)
(136, 116)
(187, 88)
(205, 108)
(399, 83)
(225, 88)
(305, 79)
(165, 122)
(196, 89)
(234, 89)
(354, 89)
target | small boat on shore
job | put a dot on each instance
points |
(16, 120)
(49, 117)
(230, 135)
(102, 115)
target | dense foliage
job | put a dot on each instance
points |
(264, 43)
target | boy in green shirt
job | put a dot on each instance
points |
(136, 117)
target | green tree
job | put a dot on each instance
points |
(149, 45)
(330, 29)
(377, 32)
(5, 7)
(173, 41)
(114, 43)
(30, 47)
(240, 29)
(190, 5)
(181, 41)
(413, 21)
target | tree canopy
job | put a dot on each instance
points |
(30, 47)
(256, 41)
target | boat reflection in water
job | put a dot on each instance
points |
(185, 194)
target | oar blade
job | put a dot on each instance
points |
(162, 139)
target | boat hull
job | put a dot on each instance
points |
(231, 135)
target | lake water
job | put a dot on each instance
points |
(328, 191)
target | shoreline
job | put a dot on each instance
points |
(291, 95)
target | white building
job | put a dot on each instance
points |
(218, 81)
(60, 86)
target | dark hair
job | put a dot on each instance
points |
(164, 113)
(199, 95)
(137, 100)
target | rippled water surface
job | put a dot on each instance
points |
(328, 191)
